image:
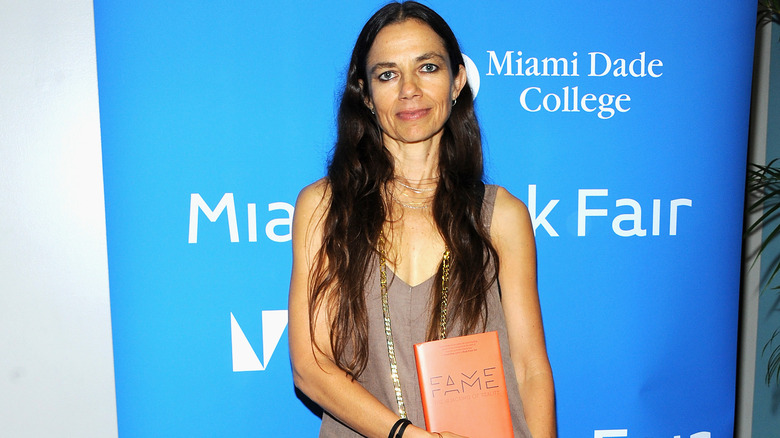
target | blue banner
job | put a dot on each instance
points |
(623, 126)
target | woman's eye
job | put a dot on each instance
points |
(430, 68)
(386, 76)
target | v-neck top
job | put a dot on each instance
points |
(409, 315)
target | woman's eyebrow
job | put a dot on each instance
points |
(430, 55)
(380, 65)
(423, 57)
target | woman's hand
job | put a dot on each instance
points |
(417, 432)
(447, 435)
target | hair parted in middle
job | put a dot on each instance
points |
(358, 172)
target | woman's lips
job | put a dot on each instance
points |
(413, 114)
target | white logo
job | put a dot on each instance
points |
(472, 74)
(227, 203)
(626, 224)
(244, 356)
(611, 433)
(623, 433)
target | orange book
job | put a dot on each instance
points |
(463, 386)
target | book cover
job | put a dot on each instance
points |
(463, 387)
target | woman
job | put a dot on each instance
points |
(404, 194)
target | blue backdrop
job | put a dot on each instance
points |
(623, 126)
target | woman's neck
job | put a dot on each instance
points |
(415, 163)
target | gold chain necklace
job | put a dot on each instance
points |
(417, 190)
(417, 203)
(413, 205)
(445, 278)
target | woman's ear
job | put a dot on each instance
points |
(459, 81)
(366, 97)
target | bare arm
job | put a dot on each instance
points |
(512, 234)
(314, 372)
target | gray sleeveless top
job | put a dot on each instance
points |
(410, 313)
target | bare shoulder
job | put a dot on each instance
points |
(510, 218)
(314, 196)
(312, 202)
(310, 210)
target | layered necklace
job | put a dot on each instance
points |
(417, 195)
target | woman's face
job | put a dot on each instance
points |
(410, 83)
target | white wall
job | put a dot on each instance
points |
(56, 363)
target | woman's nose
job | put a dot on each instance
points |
(410, 86)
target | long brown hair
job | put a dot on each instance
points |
(359, 169)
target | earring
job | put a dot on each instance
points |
(454, 101)
(372, 111)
